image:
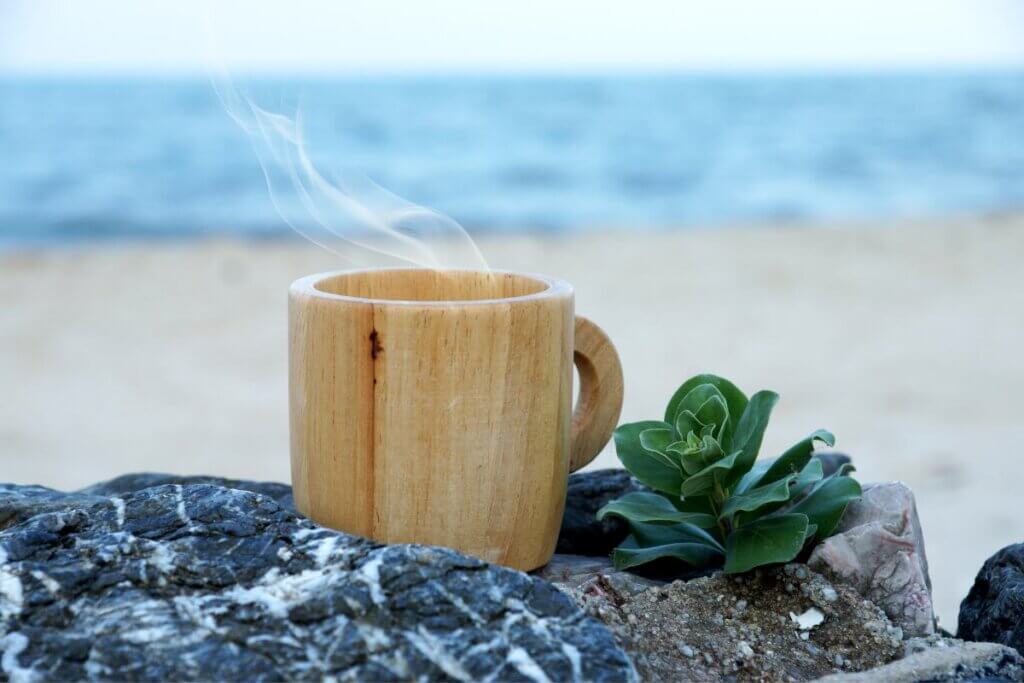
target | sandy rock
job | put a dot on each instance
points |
(879, 550)
(943, 659)
(739, 628)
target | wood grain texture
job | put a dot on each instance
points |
(601, 389)
(434, 407)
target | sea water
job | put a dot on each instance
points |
(85, 159)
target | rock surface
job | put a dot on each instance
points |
(943, 659)
(745, 628)
(994, 608)
(198, 581)
(582, 533)
(879, 549)
(572, 572)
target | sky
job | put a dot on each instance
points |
(110, 36)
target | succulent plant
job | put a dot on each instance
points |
(714, 504)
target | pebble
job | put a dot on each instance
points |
(744, 649)
(804, 635)
(790, 588)
(829, 594)
(708, 659)
(741, 605)
(685, 649)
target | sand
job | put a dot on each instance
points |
(905, 340)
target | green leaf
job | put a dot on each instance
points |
(750, 431)
(757, 498)
(753, 476)
(658, 473)
(797, 457)
(712, 415)
(662, 534)
(651, 507)
(700, 504)
(696, 554)
(704, 481)
(844, 469)
(696, 454)
(657, 439)
(698, 396)
(809, 475)
(735, 399)
(765, 541)
(811, 530)
(827, 501)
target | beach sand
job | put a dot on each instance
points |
(905, 340)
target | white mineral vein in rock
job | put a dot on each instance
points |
(376, 639)
(461, 605)
(181, 504)
(162, 557)
(152, 634)
(323, 551)
(808, 619)
(573, 655)
(370, 574)
(279, 593)
(10, 593)
(48, 581)
(434, 650)
(524, 664)
(119, 509)
(188, 608)
(12, 645)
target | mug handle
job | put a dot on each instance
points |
(600, 398)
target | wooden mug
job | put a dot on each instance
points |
(435, 406)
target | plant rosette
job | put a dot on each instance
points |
(714, 504)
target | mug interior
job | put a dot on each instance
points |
(414, 284)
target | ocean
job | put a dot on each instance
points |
(109, 158)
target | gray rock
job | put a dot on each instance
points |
(943, 659)
(879, 549)
(697, 630)
(197, 581)
(582, 533)
(575, 573)
(127, 483)
(994, 608)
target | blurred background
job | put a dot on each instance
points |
(824, 199)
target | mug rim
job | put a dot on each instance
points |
(307, 285)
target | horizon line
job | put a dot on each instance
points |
(399, 71)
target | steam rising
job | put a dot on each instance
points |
(351, 216)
